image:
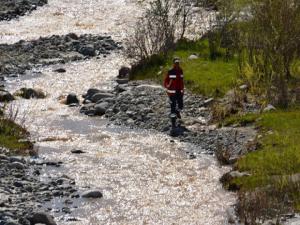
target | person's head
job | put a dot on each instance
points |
(176, 61)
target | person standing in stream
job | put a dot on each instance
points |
(175, 89)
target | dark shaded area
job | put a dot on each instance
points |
(10, 9)
(16, 58)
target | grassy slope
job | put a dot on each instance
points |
(279, 153)
(277, 158)
(12, 137)
(202, 75)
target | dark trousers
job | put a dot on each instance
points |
(176, 102)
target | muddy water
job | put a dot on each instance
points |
(145, 178)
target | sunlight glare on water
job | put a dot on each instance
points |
(145, 178)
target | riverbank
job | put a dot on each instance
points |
(12, 9)
(272, 152)
(16, 58)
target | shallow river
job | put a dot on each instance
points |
(145, 178)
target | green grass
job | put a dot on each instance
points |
(202, 75)
(11, 136)
(240, 120)
(277, 158)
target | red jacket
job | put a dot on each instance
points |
(174, 81)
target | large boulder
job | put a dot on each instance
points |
(72, 99)
(269, 108)
(101, 108)
(5, 96)
(28, 93)
(93, 91)
(122, 80)
(99, 96)
(124, 72)
(87, 50)
(92, 194)
(40, 217)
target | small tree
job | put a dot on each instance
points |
(163, 23)
(271, 39)
(154, 32)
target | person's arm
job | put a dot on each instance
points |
(167, 81)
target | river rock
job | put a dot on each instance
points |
(99, 96)
(193, 57)
(209, 101)
(72, 99)
(124, 72)
(122, 81)
(92, 194)
(244, 87)
(13, 9)
(5, 96)
(28, 93)
(43, 218)
(77, 151)
(60, 70)
(25, 55)
(101, 108)
(73, 36)
(269, 108)
(88, 50)
(17, 165)
(92, 91)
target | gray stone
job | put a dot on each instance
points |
(60, 70)
(72, 99)
(122, 81)
(2, 156)
(28, 93)
(77, 151)
(269, 108)
(92, 91)
(92, 194)
(101, 108)
(40, 217)
(124, 72)
(244, 87)
(17, 165)
(99, 96)
(208, 101)
(88, 50)
(192, 57)
(237, 174)
(5, 96)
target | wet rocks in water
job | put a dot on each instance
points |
(92, 194)
(22, 192)
(269, 108)
(228, 180)
(100, 96)
(101, 108)
(5, 96)
(72, 99)
(77, 151)
(124, 72)
(25, 55)
(29, 93)
(141, 105)
(88, 50)
(41, 218)
(10, 9)
(60, 70)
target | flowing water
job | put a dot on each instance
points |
(145, 177)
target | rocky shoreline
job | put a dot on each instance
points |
(23, 195)
(27, 192)
(144, 105)
(10, 9)
(16, 58)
